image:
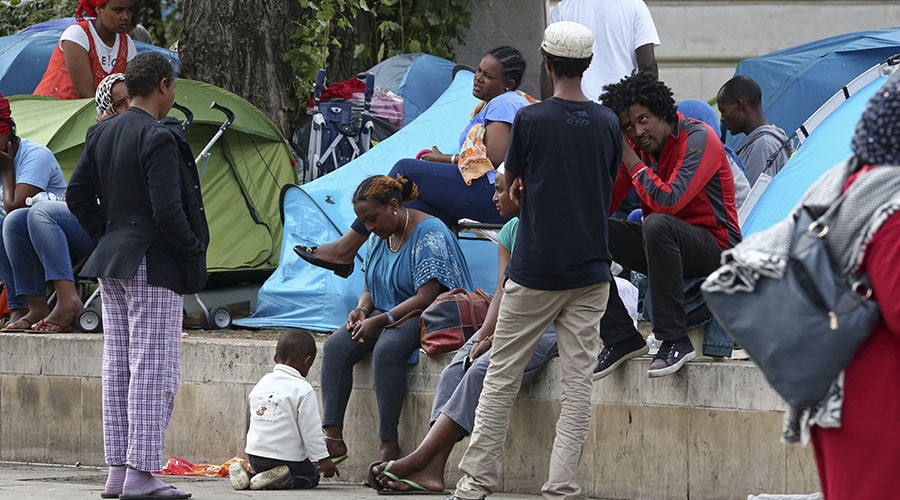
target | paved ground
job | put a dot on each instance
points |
(32, 482)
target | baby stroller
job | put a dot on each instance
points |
(215, 315)
(333, 138)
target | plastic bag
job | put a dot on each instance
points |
(178, 467)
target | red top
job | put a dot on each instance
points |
(691, 179)
(56, 81)
(858, 460)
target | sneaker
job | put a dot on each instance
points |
(615, 354)
(274, 478)
(239, 476)
(672, 355)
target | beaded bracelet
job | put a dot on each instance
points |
(390, 317)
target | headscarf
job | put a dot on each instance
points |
(877, 137)
(103, 95)
(88, 7)
(700, 110)
(6, 121)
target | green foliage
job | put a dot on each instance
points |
(16, 15)
(398, 26)
(164, 32)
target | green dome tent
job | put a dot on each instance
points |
(241, 184)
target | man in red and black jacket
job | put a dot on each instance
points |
(679, 169)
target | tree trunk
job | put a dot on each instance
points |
(238, 45)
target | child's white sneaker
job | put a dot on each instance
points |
(239, 476)
(272, 478)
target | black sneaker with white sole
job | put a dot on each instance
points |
(672, 355)
(613, 355)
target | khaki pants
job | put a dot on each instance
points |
(524, 316)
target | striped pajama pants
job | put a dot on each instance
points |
(141, 368)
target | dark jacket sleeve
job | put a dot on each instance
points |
(161, 163)
(697, 162)
(82, 195)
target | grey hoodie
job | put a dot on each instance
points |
(759, 145)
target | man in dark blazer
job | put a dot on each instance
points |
(136, 191)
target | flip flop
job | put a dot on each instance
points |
(373, 479)
(155, 495)
(309, 255)
(17, 330)
(335, 459)
(109, 495)
(417, 489)
(50, 328)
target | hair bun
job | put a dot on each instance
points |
(408, 189)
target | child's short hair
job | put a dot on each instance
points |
(293, 345)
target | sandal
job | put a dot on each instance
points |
(48, 327)
(309, 255)
(20, 329)
(417, 489)
(155, 494)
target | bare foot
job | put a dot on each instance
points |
(425, 479)
(17, 314)
(334, 441)
(25, 321)
(64, 313)
(390, 450)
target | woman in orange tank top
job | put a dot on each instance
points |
(75, 71)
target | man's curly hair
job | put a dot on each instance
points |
(644, 89)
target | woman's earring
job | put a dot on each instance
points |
(395, 212)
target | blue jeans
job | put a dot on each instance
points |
(444, 194)
(40, 243)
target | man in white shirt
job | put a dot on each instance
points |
(624, 40)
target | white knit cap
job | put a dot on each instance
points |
(568, 39)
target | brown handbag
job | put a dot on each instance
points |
(451, 319)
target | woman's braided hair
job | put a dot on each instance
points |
(511, 61)
(381, 189)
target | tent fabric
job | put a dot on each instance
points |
(58, 24)
(304, 296)
(828, 145)
(24, 58)
(241, 183)
(797, 80)
(420, 79)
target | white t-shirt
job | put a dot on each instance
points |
(106, 54)
(619, 28)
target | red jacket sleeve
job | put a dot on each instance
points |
(696, 161)
(882, 256)
(621, 187)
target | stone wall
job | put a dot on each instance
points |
(702, 40)
(709, 432)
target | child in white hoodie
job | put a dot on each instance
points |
(285, 443)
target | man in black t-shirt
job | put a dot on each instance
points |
(561, 157)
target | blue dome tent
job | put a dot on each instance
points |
(304, 296)
(825, 139)
(24, 58)
(797, 80)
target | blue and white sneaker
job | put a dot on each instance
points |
(672, 355)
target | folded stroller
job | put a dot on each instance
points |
(334, 139)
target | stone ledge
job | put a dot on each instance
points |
(710, 431)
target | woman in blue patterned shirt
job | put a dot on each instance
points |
(411, 258)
